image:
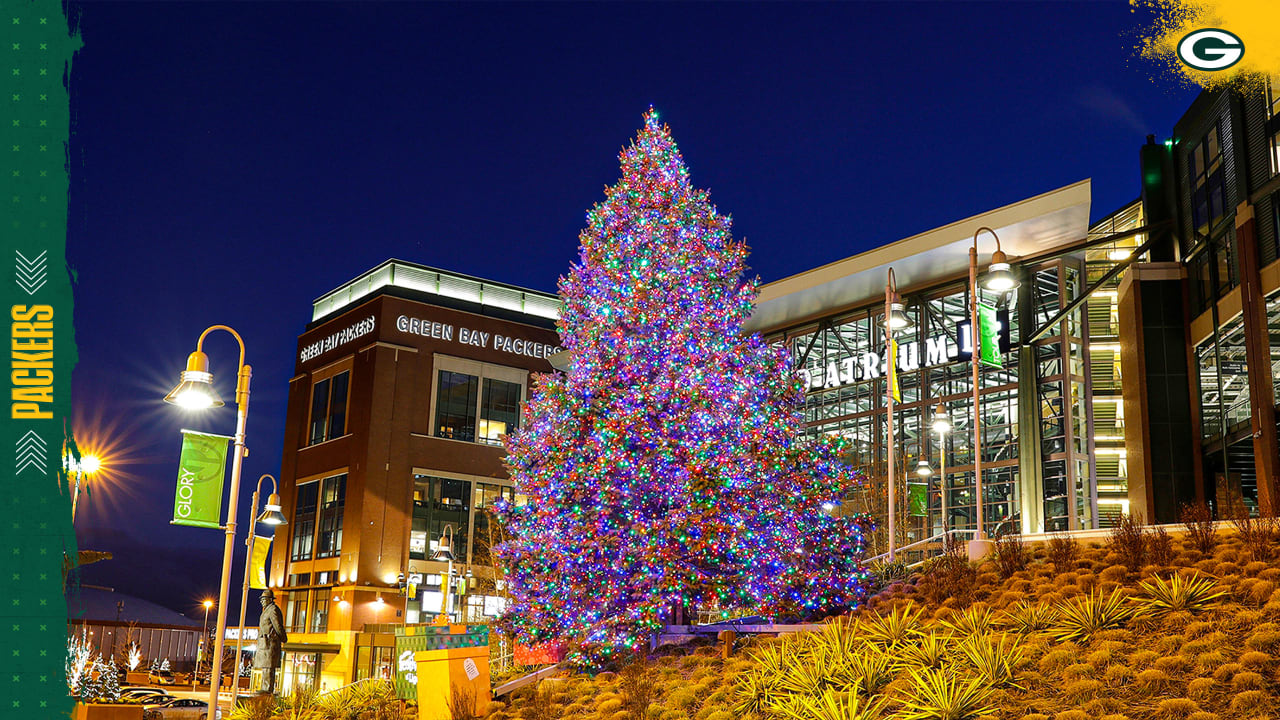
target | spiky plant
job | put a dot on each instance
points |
(896, 628)
(996, 660)
(870, 670)
(832, 706)
(1025, 618)
(977, 620)
(1178, 594)
(754, 694)
(805, 675)
(930, 650)
(944, 695)
(1081, 619)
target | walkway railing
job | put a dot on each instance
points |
(916, 553)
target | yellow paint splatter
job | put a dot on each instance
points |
(1255, 22)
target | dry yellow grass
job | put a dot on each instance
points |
(1219, 662)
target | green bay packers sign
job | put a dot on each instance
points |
(197, 500)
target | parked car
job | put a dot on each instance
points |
(142, 690)
(179, 709)
(145, 695)
(161, 677)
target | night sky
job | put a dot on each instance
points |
(231, 162)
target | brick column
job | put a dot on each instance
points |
(1262, 410)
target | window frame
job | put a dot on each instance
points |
(317, 514)
(482, 371)
(329, 375)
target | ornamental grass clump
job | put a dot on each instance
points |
(977, 620)
(1081, 619)
(1025, 618)
(995, 660)
(897, 628)
(945, 695)
(831, 706)
(1129, 542)
(1197, 519)
(1178, 594)
(931, 650)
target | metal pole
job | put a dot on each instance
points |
(888, 345)
(244, 589)
(228, 550)
(203, 636)
(942, 476)
(977, 390)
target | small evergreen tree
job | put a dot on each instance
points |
(164, 665)
(110, 681)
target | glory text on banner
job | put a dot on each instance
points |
(258, 562)
(198, 498)
(988, 336)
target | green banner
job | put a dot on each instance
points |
(198, 498)
(917, 499)
(989, 336)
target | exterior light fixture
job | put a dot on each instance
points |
(271, 514)
(941, 420)
(1000, 277)
(445, 551)
(923, 469)
(898, 319)
(195, 385)
(1119, 254)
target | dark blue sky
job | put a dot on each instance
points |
(231, 162)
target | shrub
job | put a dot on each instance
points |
(886, 573)
(872, 671)
(950, 576)
(1224, 673)
(1179, 594)
(754, 694)
(1264, 639)
(1257, 534)
(1255, 659)
(637, 688)
(1118, 675)
(1083, 689)
(1128, 542)
(1081, 619)
(1073, 715)
(1063, 552)
(1160, 548)
(461, 702)
(538, 703)
(1010, 554)
(943, 694)
(1197, 519)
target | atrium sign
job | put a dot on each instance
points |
(868, 365)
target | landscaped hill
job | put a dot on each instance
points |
(1142, 626)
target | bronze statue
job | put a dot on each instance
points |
(271, 639)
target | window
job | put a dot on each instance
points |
(437, 503)
(329, 408)
(332, 502)
(1208, 190)
(322, 500)
(320, 616)
(499, 410)
(456, 406)
(304, 521)
(296, 612)
(477, 402)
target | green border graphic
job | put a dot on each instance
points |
(35, 524)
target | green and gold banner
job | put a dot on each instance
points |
(198, 498)
(917, 499)
(989, 336)
(258, 562)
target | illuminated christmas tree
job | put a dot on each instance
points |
(667, 467)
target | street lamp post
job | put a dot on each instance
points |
(1000, 278)
(204, 635)
(446, 553)
(895, 318)
(195, 392)
(272, 516)
(942, 425)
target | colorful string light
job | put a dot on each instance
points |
(667, 467)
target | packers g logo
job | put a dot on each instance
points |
(1210, 49)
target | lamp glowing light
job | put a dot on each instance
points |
(1000, 277)
(195, 385)
(941, 420)
(1119, 254)
(923, 469)
(271, 514)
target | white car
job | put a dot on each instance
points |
(179, 709)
